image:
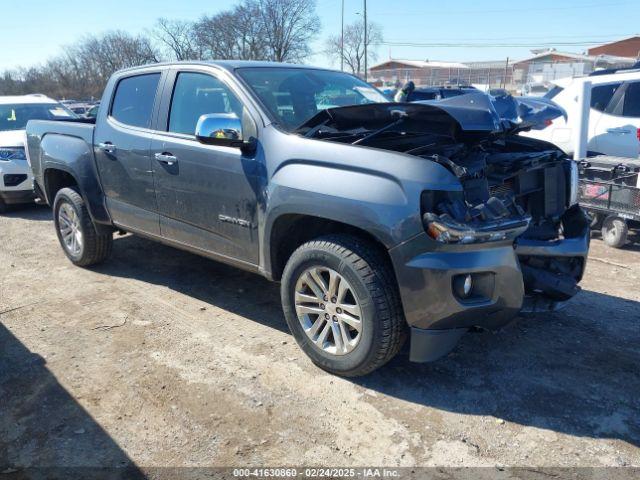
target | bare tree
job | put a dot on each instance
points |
(277, 30)
(289, 27)
(83, 69)
(235, 34)
(354, 46)
(179, 38)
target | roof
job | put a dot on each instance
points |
(613, 42)
(34, 98)
(422, 64)
(620, 76)
(228, 64)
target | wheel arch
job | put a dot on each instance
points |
(291, 230)
(55, 179)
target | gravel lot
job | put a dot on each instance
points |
(162, 358)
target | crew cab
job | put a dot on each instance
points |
(380, 220)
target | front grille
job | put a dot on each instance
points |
(502, 189)
(13, 180)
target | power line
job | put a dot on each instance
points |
(548, 38)
(503, 10)
(489, 45)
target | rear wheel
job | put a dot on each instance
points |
(615, 232)
(76, 231)
(342, 305)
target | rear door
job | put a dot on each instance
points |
(122, 141)
(206, 194)
(616, 128)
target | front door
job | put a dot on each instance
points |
(122, 141)
(206, 194)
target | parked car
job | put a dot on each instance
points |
(16, 181)
(438, 93)
(614, 117)
(379, 220)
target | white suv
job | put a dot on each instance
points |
(614, 119)
(16, 181)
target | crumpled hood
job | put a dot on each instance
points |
(12, 138)
(477, 112)
(482, 112)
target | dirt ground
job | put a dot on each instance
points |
(162, 358)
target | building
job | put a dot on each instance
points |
(543, 66)
(551, 64)
(396, 72)
(627, 47)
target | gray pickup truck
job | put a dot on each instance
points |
(380, 220)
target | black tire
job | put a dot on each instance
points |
(3, 206)
(367, 269)
(615, 231)
(95, 248)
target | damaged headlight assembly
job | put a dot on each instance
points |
(445, 229)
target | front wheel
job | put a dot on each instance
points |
(342, 304)
(76, 232)
(615, 231)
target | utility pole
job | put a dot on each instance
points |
(365, 41)
(506, 72)
(342, 40)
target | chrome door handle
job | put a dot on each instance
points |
(621, 131)
(107, 147)
(166, 158)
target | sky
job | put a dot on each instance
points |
(462, 30)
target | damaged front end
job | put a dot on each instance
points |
(517, 196)
(524, 196)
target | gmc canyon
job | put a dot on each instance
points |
(380, 220)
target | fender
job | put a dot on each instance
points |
(74, 156)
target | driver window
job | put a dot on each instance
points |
(197, 94)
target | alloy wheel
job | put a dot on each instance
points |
(70, 230)
(328, 310)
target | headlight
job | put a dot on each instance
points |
(12, 153)
(444, 229)
(573, 182)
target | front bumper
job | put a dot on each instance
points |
(14, 197)
(16, 182)
(438, 317)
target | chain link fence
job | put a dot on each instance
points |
(511, 76)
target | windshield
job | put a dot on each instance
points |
(294, 95)
(16, 116)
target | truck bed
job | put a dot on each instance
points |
(52, 142)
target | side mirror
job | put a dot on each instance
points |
(220, 129)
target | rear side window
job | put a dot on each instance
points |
(133, 101)
(197, 94)
(601, 95)
(631, 107)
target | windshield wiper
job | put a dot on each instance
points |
(394, 113)
(312, 131)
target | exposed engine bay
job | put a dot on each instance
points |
(513, 187)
